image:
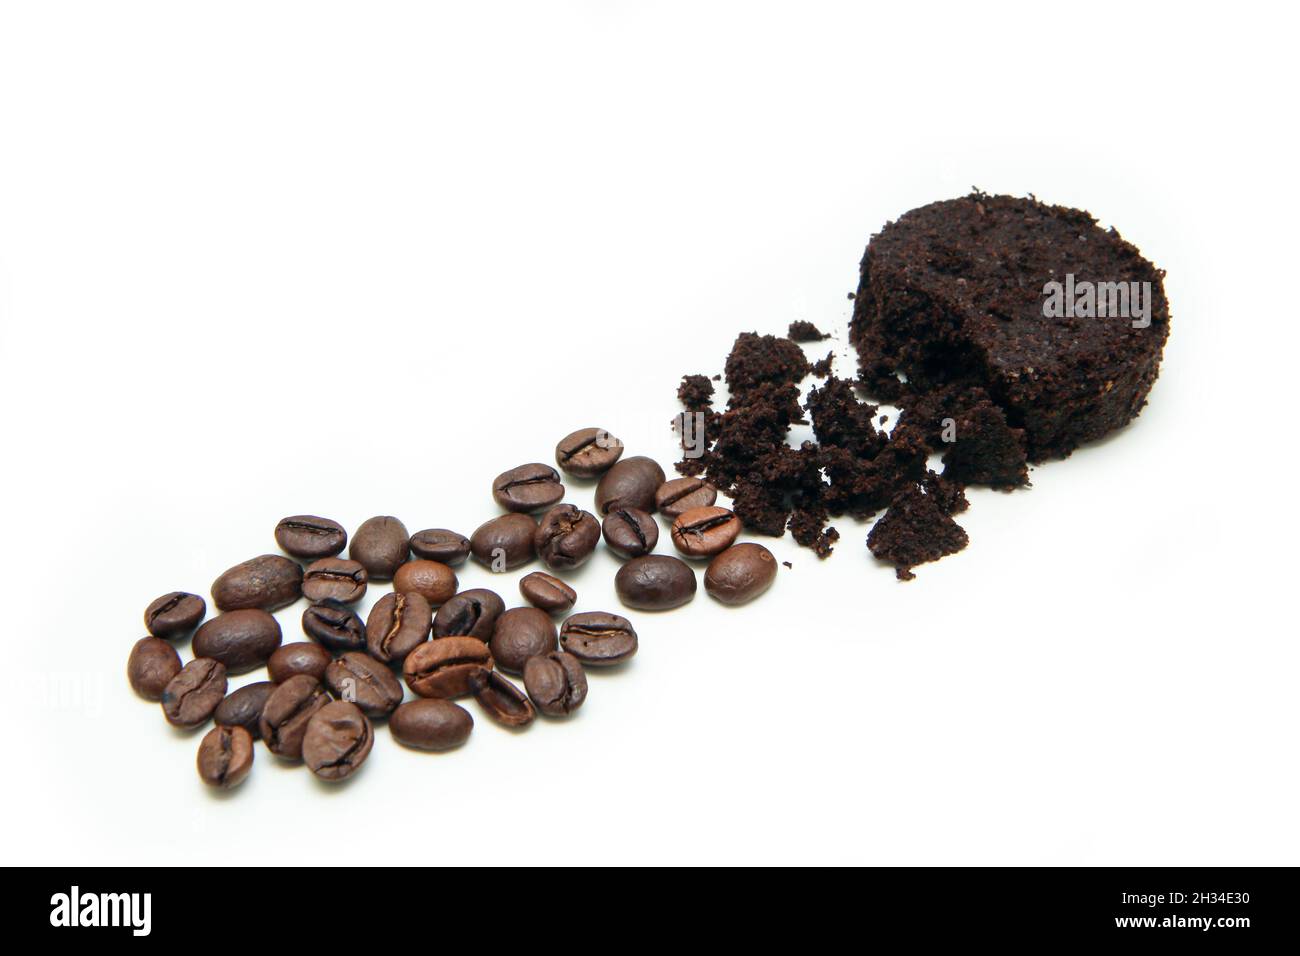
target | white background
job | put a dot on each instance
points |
(262, 258)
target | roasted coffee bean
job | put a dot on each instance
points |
(504, 543)
(588, 452)
(703, 532)
(547, 592)
(241, 640)
(338, 741)
(174, 614)
(432, 579)
(500, 699)
(631, 483)
(529, 487)
(298, 658)
(381, 544)
(471, 613)
(682, 494)
(334, 579)
(398, 624)
(556, 683)
(365, 682)
(268, 582)
(431, 724)
(521, 633)
(337, 627)
(225, 757)
(151, 666)
(656, 582)
(243, 707)
(439, 544)
(630, 532)
(190, 697)
(566, 537)
(598, 639)
(741, 573)
(442, 668)
(287, 712)
(309, 537)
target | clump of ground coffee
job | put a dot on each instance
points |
(802, 331)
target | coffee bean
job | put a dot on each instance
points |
(268, 582)
(439, 544)
(521, 633)
(656, 582)
(397, 624)
(190, 697)
(381, 544)
(151, 666)
(702, 532)
(298, 658)
(529, 487)
(442, 668)
(364, 681)
(225, 757)
(741, 573)
(504, 543)
(432, 579)
(174, 614)
(588, 452)
(566, 537)
(338, 741)
(243, 707)
(500, 699)
(334, 579)
(598, 639)
(631, 483)
(431, 724)
(556, 683)
(470, 613)
(682, 494)
(336, 627)
(630, 532)
(241, 640)
(309, 537)
(546, 592)
(287, 712)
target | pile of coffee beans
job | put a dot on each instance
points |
(443, 643)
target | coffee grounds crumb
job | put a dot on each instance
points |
(948, 495)
(763, 360)
(822, 367)
(914, 530)
(787, 564)
(802, 331)
(695, 392)
(987, 451)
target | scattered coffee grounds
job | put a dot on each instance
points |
(801, 331)
(913, 531)
(695, 392)
(822, 367)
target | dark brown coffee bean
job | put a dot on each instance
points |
(432, 579)
(243, 707)
(631, 483)
(225, 757)
(190, 697)
(439, 544)
(287, 712)
(556, 683)
(338, 741)
(364, 681)
(630, 532)
(703, 532)
(529, 487)
(598, 639)
(682, 494)
(151, 666)
(381, 544)
(174, 614)
(471, 613)
(431, 724)
(298, 658)
(741, 573)
(656, 582)
(335, 626)
(309, 537)
(334, 579)
(397, 624)
(547, 592)
(442, 668)
(566, 537)
(521, 633)
(588, 452)
(241, 640)
(500, 699)
(267, 582)
(504, 543)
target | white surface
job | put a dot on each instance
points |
(262, 259)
